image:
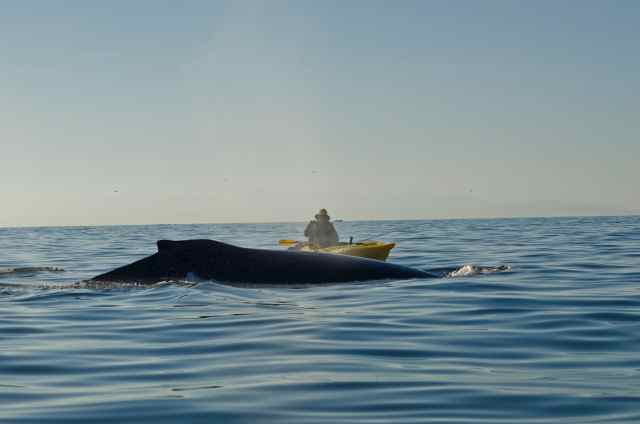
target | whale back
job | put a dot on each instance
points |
(210, 259)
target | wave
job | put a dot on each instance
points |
(30, 269)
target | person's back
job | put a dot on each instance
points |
(321, 232)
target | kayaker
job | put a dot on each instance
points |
(320, 231)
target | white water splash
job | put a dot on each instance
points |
(469, 270)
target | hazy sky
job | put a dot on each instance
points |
(122, 112)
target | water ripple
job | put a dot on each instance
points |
(554, 340)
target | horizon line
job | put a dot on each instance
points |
(625, 215)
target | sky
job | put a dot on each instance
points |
(152, 111)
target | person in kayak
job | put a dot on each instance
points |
(320, 231)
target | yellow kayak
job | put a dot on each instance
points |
(366, 249)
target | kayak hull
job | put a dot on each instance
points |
(371, 250)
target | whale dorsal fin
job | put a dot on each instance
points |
(195, 245)
(167, 245)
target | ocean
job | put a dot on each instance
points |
(556, 339)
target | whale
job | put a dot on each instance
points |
(225, 263)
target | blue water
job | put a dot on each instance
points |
(554, 340)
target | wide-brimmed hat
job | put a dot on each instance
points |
(323, 212)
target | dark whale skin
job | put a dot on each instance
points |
(214, 260)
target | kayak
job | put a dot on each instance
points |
(366, 249)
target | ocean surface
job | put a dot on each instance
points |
(554, 340)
